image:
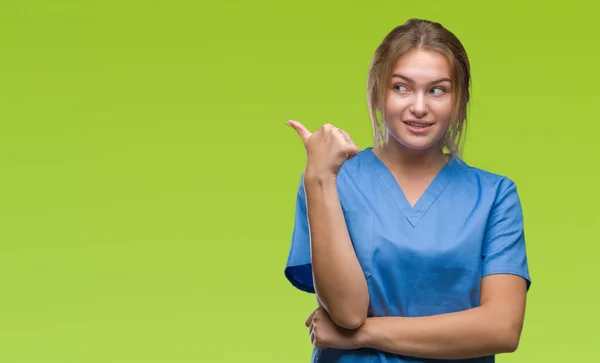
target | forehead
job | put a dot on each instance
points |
(422, 66)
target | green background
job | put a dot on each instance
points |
(148, 180)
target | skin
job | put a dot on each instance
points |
(338, 278)
(420, 89)
(493, 327)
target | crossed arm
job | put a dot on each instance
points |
(492, 328)
(339, 281)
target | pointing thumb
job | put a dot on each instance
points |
(300, 129)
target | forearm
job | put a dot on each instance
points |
(338, 277)
(467, 334)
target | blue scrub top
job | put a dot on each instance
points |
(419, 260)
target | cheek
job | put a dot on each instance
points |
(442, 110)
(395, 105)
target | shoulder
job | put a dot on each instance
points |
(496, 185)
(357, 172)
(360, 163)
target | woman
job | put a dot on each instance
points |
(413, 254)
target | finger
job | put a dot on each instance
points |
(346, 135)
(349, 147)
(300, 129)
(328, 128)
(342, 135)
(316, 341)
(352, 145)
(318, 344)
(310, 318)
(351, 150)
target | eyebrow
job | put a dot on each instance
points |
(444, 79)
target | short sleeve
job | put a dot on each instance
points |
(504, 249)
(298, 269)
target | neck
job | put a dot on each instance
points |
(400, 158)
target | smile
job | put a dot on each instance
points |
(418, 124)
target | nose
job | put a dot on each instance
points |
(419, 106)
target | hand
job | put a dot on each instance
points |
(326, 150)
(324, 333)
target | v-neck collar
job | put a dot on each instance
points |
(413, 213)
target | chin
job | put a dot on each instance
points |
(417, 145)
(412, 142)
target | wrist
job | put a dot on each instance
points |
(316, 178)
(362, 338)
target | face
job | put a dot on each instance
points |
(418, 104)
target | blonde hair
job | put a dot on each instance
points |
(426, 35)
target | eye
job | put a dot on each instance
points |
(400, 88)
(438, 91)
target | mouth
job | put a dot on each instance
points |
(418, 124)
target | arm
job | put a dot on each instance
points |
(339, 281)
(492, 328)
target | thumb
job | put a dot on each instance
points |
(300, 129)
